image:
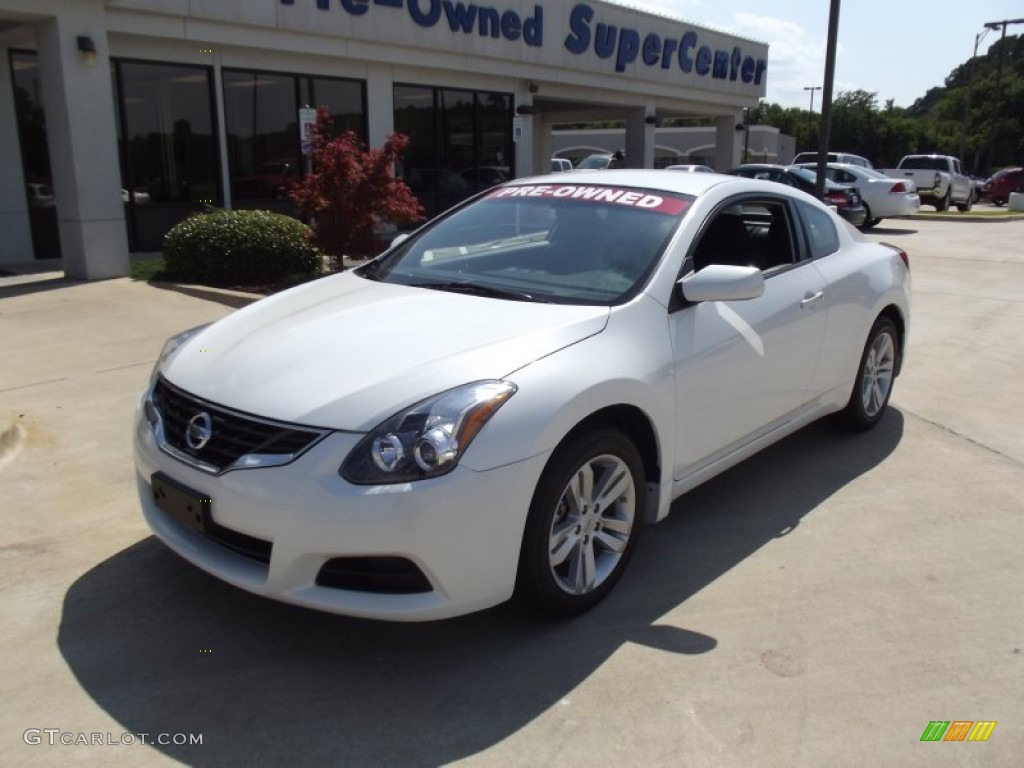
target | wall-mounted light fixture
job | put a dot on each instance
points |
(651, 120)
(527, 109)
(88, 50)
(533, 87)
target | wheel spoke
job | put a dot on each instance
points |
(582, 487)
(611, 542)
(617, 525)
(614, 483)
(562, 543)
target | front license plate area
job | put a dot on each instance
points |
(188, 507)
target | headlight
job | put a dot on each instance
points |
(428, 439)
(173, 343)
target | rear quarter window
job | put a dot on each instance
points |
(822, 238)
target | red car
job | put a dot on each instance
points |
(998, 188)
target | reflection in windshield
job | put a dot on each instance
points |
(584, 244)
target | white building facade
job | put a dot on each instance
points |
(120, 117)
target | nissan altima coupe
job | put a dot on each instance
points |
(500, 402)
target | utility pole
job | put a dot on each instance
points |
(826, 98)
(997, 97)
(810, 115)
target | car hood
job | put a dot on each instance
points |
(346, 353)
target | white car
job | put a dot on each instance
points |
(498, 402)
(690, 168)
(882, 196)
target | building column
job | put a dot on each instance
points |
(640, 130)
(16, 243)
(380, 104)
(527, 133)
(728, 142)
(82, 136)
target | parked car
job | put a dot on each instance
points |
(435, 431)
(560, 165)
(846, 199)
(602, 161)
(998, 188)
(690, 168)
(833, 157)
(939, 180)
(883, 196)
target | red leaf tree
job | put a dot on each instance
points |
(351, 190)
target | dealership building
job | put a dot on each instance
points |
(118, 118)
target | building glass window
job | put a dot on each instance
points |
(168, 146)
(35, 154)
(261, 116)
(460, 142)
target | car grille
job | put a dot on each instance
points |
(234, 435)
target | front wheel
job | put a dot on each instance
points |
(583, 523)
(871, 390)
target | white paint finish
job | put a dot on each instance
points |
(728, 143)
(82, 137)
(380, 103)
(16, 243)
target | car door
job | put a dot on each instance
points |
(742, 367)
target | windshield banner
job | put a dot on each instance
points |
(632, 198)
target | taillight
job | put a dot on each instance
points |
(836, 199)
(938, 179)
(900, 252)
(898, 188)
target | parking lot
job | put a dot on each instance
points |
(817, 605)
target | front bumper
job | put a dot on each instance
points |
(462, 530)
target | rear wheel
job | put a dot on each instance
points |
(943, 204)
(583, 523)
(965, 207)
(869, 221)
(873, 386)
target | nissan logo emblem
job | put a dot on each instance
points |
(199, 431)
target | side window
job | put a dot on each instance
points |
(821, 231)
(754, 233)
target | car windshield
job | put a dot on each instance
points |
(595, 162)
(564, 243)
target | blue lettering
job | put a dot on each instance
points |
(761, 66)
(461, 17)
(747, 70)
(579, 25)
(533, 29)
(389, 3)
(687, 43)
(604, 40)
(734, 68)
(703, 60)
(652, 49)
(629, 45)
(355, 7)
(721, 70)
(489, 22)
(670, 48)
(511, 25)
(428, 18)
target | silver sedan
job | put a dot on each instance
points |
(883, 196)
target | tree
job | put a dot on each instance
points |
(352, 190)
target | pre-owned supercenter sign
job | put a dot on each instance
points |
(630, 48)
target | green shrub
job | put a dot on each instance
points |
(239, 248)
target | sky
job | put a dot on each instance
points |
(897, 49)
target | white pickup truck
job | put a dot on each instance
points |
(939, 180)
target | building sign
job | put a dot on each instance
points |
(672, 48)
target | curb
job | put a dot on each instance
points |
(967, 217)
(236, 299)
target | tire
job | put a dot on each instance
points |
(869, 222)
(967, 205)
(578, 539)
(875, 375)
(943, 204)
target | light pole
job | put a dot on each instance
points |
(810, 116)
(997, 97)
(967, 103)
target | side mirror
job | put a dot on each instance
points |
(722, 282)
(399, 239)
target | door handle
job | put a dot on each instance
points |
(812, 300)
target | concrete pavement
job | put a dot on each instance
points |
(818, 605)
